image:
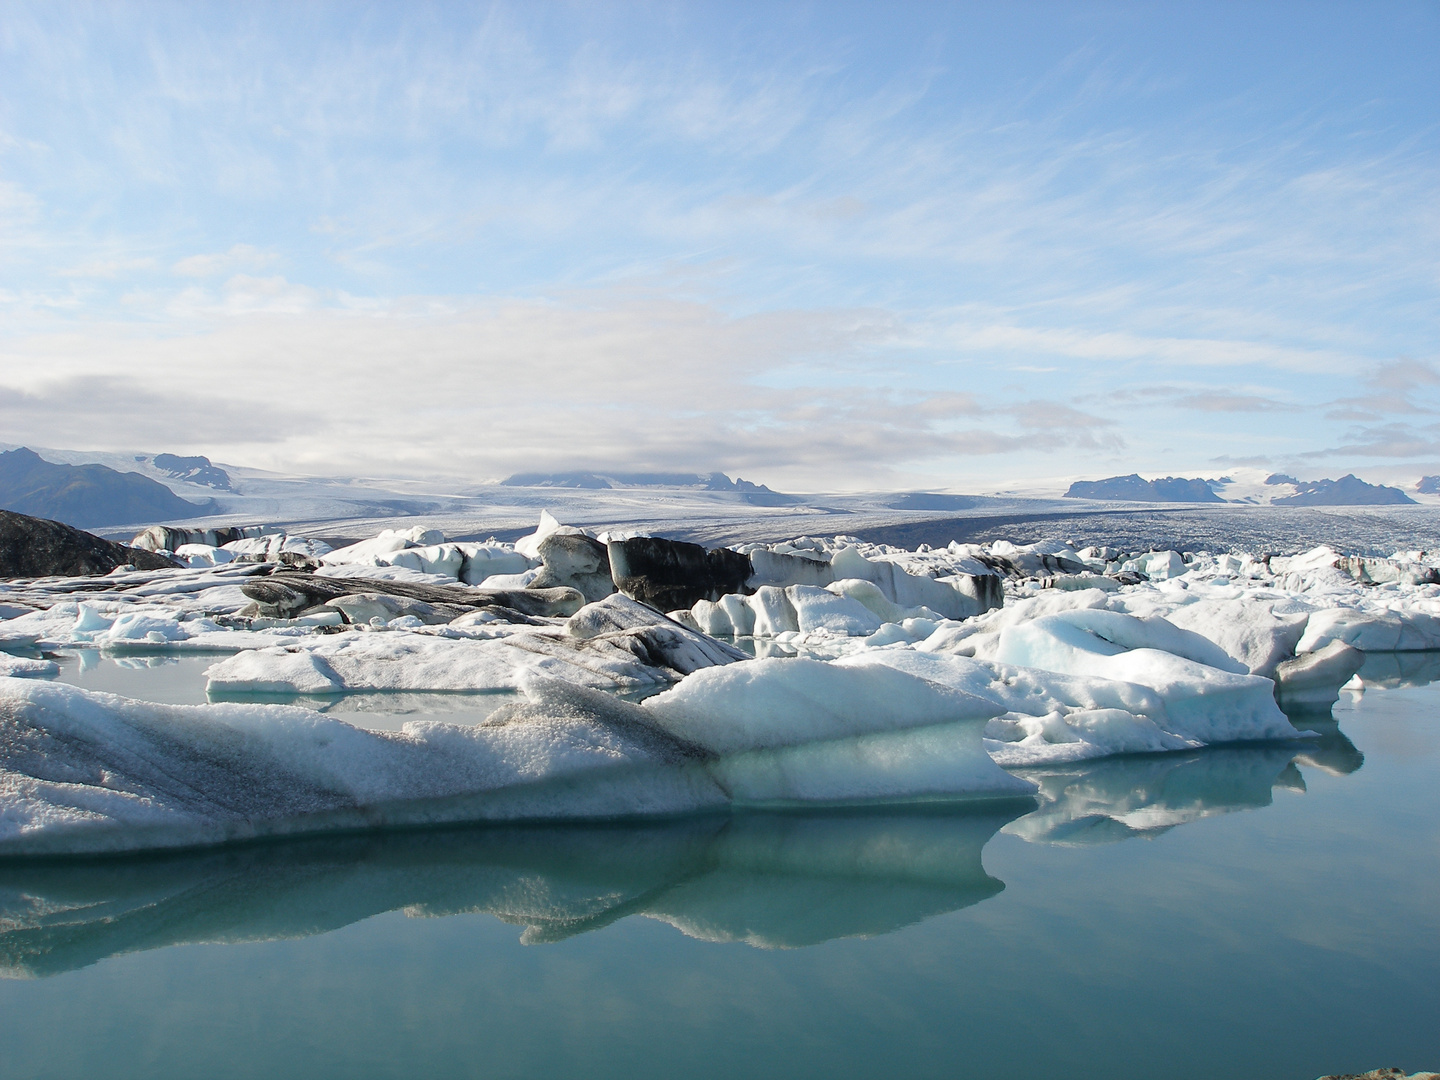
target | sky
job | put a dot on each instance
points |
(823, 246)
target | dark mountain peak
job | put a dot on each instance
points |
(1134, 488)
(194, 470)
(86, 495)
(1349, 490)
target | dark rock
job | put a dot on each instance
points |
(1130, 577)
(1031, 564)
(285, 594)
(1277, 478)
(1428, 485)
(1349, 490)
(661, 641)
(670, 574)
(34, 547)
(1133, 489)
(575, 561)
(86, 495)
(362, 607)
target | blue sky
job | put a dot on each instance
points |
(824, 246)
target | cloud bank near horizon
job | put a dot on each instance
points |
(823, 247)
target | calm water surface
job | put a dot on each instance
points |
(1266, 912)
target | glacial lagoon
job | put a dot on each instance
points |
(1261, 910)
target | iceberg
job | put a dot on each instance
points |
(83, 772)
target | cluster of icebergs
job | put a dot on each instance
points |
(820, 671)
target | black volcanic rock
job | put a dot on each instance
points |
(35, 547)
(669, 574)
(194, 470)
(86, 495)
(1133, 489)
(1349, 490)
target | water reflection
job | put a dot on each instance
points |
(1391, 670)
(1122, 797)
(772, 880)
(1332, 752)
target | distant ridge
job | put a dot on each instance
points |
(86, 496)
(1134, 489)
(1349, 490)
(193, 470)
(754, 494)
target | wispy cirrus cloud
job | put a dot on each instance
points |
(865, 244)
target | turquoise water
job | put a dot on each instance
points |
(1266, 912)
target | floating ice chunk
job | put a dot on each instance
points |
(1130, 632)
(1038, 707)
(1158, 565)
(909, 590)
(529, 546)
(773, 611)
(275, 671)
(140, 626)
(870, 594)
(1259, 633)
(665, 641)
(203, 555)
(820, 609)
(90, 619)
(85, 772)
(778, 702)
(27, 667)
(1311, 682)
(1201, 702)
(408, 661)
(521, 580)
(981, 636)
(1017, 739)
(1371, 631)
(379, 549)
(484, 561)
(940, 759)
(782, 569)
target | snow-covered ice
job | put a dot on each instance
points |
(880, 674)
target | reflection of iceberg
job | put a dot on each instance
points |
(1395, 669)
(772, 880)
(1332, 751)
(1116, 798)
